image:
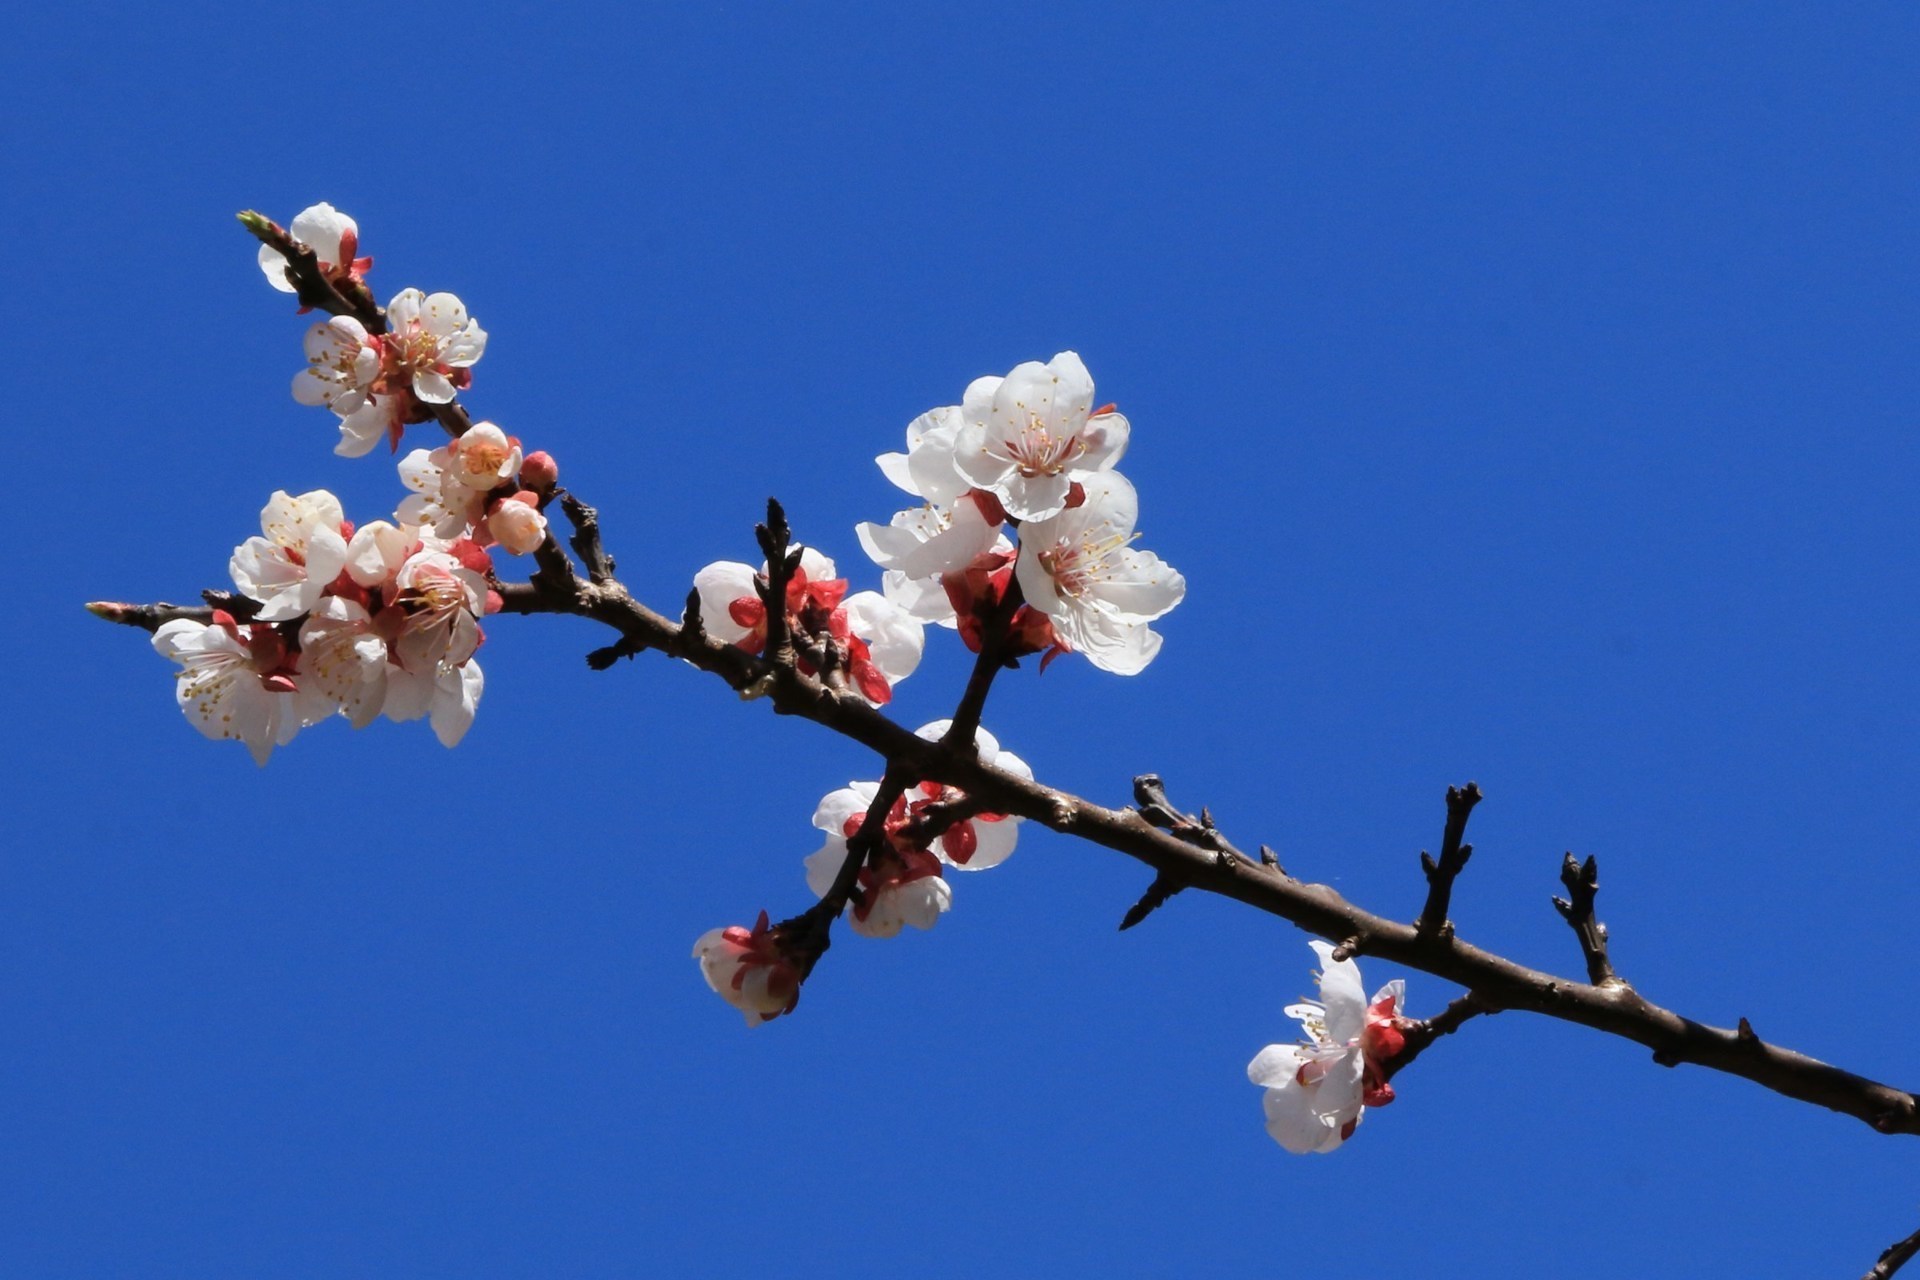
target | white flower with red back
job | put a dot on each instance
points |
(1318, 1090)
(747, 969)
(1029, 437)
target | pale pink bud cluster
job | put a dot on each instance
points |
(378, 620)
(474, 487)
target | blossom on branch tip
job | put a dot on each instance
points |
(1079, 568)
(1029, 437)
(749, 970)
(334, 239)
(1318, 1090)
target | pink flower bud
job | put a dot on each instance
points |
(539, 471)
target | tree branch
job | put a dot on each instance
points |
(1500, 983)
(1894, 1257)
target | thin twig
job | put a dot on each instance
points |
(1894, 1257)
(1433, 922)
(1583, 882)
(1423, 1032)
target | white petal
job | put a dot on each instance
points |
(273, 265)
(824, 864)
(1342, 994)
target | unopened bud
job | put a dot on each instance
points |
(539, 472)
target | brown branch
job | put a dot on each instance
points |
(1894, 1257)
(1150, 801)
(1195, 859)
(1433, 920)
(1583, 882)
(1421, 1033)
(586, 537)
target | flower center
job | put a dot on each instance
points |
(1036, 452)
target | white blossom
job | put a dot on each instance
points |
(342, 363)
(447, 695)
(1318, 1090)
(1029, 437)
(429, 338)
(1079, 569)
(748, 970)
(985, 839)
(343, 664)
(230, 686)
(517, 524)
(300, 555)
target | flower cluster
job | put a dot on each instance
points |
(1317, 1090)
(931, 828)
(376, 383)
(1029, 452)
(875, 641)
(378, 620)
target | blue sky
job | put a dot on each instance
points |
(1527, 393)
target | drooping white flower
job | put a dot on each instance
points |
(233, 684)
(1029, 437)
(342, 363)
(303, 551)
(448, 695)
(1318, 1090)
(430, 344)
(882, 642)
(895, 888)
(985, 839)
(1079, 569)
(334, 239)
(343, 664)
(749, 970)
